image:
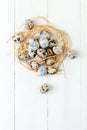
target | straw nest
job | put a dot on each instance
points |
(40, 46)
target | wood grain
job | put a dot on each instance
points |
(22, 106)
(6, 66)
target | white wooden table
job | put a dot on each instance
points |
(22, 106)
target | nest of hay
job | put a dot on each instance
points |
(41, 44)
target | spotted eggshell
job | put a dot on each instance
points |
(44, 34)
(34, 45)
(31, 53)
(44, 42)
(51, 70)
(50, 61)
(49, 52)
(34, 65)
(18, 38)
(52, 43)
(42, 70)
(44, 88)
(42, 53)
(71, 54)
(29, 24)
(57, 50)
(39, 60)
(24, 56)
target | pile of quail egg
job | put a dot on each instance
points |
(41, 51)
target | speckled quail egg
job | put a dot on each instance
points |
(42, 53)
(44, 88)
(57, 50)
(71, 54)
(31, 53)
(33, 44)
(42, 70)
(50, 61)
(44, 34)
(52, 43)
(43, 42)
(39, 60)
(49, 52)
(29, 24)
(18, 38)
(24, 56)
(51, 70)
(34, 65)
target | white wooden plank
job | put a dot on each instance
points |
(64, 101)
(6, 66)
(30, 104)
(83, 65)
(64, 98)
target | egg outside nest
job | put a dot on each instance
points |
(28, 24)
(18, 37)
(44, 88)
(71, 54)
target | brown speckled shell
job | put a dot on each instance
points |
(50, 61)
(34, 65)
(52, 70)
(42, 53)
(29, 24)
(24, 56)
(39, 60)
(49, 52)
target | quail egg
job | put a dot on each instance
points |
(44, 42)
(49, 52)
(31, 53)
(44, 34)
(52, 43)
(50, 61)
(52, 70)
(57, 50)
(34, 65)
(18, 38)
(71, 54)
(42, 53)
(24, 56)
(42, 70)
(33, 44)
(44, 88)
(39, 60)
(29, 24)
